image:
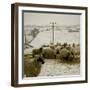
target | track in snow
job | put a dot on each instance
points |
(52, 68)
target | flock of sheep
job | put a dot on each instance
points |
(65, 52)
(58, 51)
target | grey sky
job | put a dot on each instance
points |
(46, 18)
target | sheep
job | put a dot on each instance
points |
(67, 53)
(37, 51)
(64, 51)
(49, 53)
(32, 67)
(57, 52)
(64, 54)
(41, 59)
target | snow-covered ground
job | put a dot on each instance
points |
(45, 37)
(63, 36)
(53, 68)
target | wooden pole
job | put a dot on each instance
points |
(53, 26)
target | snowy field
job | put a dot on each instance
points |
(45, 37)
(52, 68)
(60, 36)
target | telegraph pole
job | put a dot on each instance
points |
(53, 27)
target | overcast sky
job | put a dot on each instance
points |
(31, 18)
